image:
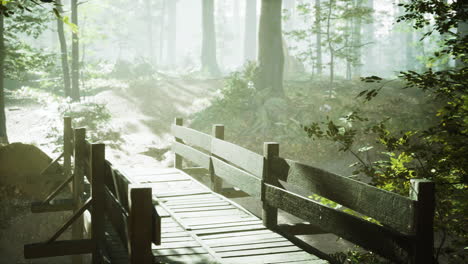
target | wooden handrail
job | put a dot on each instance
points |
(405, 229)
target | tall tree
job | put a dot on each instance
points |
(270, 48)
(357, 42)
(250, 33)
(171, 34)
(208, 54)
(3, 130)
(149, 29)
(369, 36)
(75, 92)
(318, 40)
(63, 51)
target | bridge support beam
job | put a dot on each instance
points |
(269, 213)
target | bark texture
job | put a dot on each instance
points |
(270, 52)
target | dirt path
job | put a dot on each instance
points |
(142, 117)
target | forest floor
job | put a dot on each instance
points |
(143, 118)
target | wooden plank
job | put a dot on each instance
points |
(140, 220)
(310, 261)
(218, 220)
(270, 258)
(192, 136)
(179, 251)
(78, 185)
(210, 231)
(176, 239)
(253, 239)
(390, 209)
(97, 159)
(242, 223)
(194, 258)
(70, 220)
(58, 189)
(299, 229)
(198, 205)
(55, 206)
(269, 213)
(117, 215)
(273, 244)
(238, 235)
(231, 212)
(202, 209)
(237, 177)
(368, 235)
(192, 154)
(248, 243)
(423, 191)
(239, 156)
(58, 248)
(170, 245)
(161, 178)
(216, 183)
(258, 251)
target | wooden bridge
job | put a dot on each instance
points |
(166, 216)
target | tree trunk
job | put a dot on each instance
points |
(318, 40)
(75, 92)
(172, 27)
(63, 51)
(331, 4)
(3, 129)
(208, 56)
(270, 50)
(462, 31)
(250, 34)
(149, 30)
(369, 32)
(357, 41)
(409, 44)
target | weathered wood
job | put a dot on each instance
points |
(72, 219)
(423, 191)
(192, 136)
(51, 164)
(178, 160)
(97, 158)
(237, 177)
(78, 186)
(117, 215)
(140, 220)
(260, 251)
(67, 145)
(56, 206)
(269, 213)
(239, 156)
(58, 189)
(156, 226)
(271, 258)
(220, 230)
(299, 229)
(267, 244)
(58, 248)
(390, 209)
(216, 182)
(179, 251)
(191, 154)
(377, 238)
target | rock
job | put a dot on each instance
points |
(21, 165)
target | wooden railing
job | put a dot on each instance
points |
(404, 233)
(113, 196)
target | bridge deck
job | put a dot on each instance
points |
(199, 226)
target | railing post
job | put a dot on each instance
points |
(216, 182)
(178, 159)
(97, 158)
(140, 220)
(269, 213)
(78, 182)
(67, 145)
(423, 191)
